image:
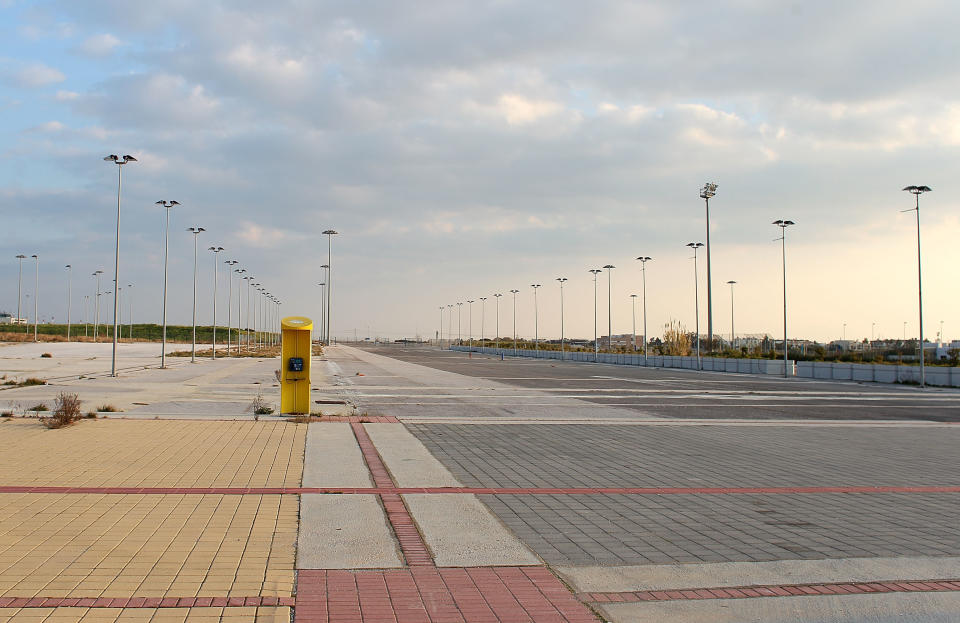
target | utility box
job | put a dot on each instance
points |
(295, 351)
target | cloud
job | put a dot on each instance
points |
(99, 45)
(34, 75)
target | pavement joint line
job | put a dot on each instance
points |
(391, 489)
(775, 590)
(144, 602)
(412, 545)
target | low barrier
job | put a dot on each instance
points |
(826, 370)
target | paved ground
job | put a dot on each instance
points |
(472, 489)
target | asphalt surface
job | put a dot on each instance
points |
(674, 393)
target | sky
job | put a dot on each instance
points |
(467, 148)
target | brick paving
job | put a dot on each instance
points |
(153, 453)
(775, 590)
(437, 595)
(634, 530)
(251, 614)
(530, 455)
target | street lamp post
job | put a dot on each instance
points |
(166, 251)
(709, 190)
(240, 272)
(116, 259)
(330, 233)
(643, 271)
(470, 323)
(696, 297)
(193, 349)
(440, 334)
(561, 280)
(96, 308)
(130, 316)
(230, 271)
(216, 261)
(596, 344)
(782, 224)
(732, 334)
(459, 336)
(249, 279)
(483, 313)
(36, 298)
(86, 318)
(323, 302)
(609, 268)
(20, 257)
(69, 296)
(633, 309)
(450, 324)
(536, 318)
(497, 322)
(514, 293)
(916, 191)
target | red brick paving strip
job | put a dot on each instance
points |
(776, 590)
(140, 602)
(414, 549)
(384, 486)
(437, 595)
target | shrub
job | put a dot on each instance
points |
(39, 407)
(108, 408)
(32, 381)
(92, 415)
(66, 411)
(46, 355)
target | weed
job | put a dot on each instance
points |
(66, 411)
(39, 407)
(46, 355)
(301, 419)
(11, 382)
(6, 414)
(91, 414)
(32, 381)
(108, 408)
(260, 406)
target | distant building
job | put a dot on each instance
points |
(624, 340)
(8, 318)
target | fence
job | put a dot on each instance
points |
(826, 370)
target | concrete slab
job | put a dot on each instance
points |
(462, 532)
(333, 458)
(717, 575)
(408, 460)
(345, 532)
(885, 608)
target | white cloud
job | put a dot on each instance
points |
(66, 96)
(520, 110)
(99, 45)
(35, 74)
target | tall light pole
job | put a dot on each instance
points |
(782, 224)
(609, 268)
(440, 334)
(459, 337)
(116, 259)
(69, 296)
(709, 190)
(86, 318)
(497, 322)
(643, 271)
(216, 261)
(561, 280)
(732, 334)
(249, 279)
(323, 302)
(916, 191)
(20, 258)
(330, 233)
(514, 293)
(166, 251)
(483, 313)
(470, 323)
(240, 272)
(536, 318)
(633, 309)
(96, 307)
(450, 324)
(230, 271)
(596, 344)
(36, 297)
(696, 297)
(130, 319)
(193, 349)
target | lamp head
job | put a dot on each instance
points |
(694, 245)
(609, 266)
(644, 258)
(709, 190)
(331, 232)
(21, 256)
(112, 158)
(918, 190)
(731, 282)
(35, 256)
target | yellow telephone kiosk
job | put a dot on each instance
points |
(295, 351)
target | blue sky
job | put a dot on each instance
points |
(467, 148)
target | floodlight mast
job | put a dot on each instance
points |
(709, 190)
(696, 296)
(116, 261)
(783, 224)
(916, 191)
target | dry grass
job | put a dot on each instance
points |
(66, 411)
(107, 408)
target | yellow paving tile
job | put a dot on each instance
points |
(145, 615)
(153, 453)
(146, 545)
